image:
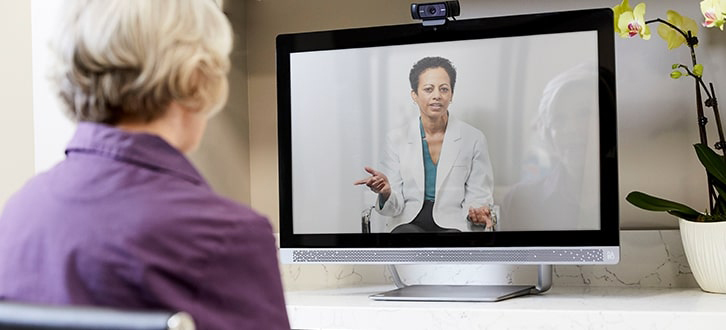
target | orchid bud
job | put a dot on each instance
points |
(698, 70)
(676, 74)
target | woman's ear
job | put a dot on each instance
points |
(190, 106)
(414, 96)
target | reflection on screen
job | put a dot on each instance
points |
(534, 98)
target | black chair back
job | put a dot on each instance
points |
(23, 316)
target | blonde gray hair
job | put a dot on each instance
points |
(127, 60)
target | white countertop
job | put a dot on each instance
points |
(559, 308)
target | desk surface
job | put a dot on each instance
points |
(559, 308)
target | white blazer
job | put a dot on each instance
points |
(463, 179)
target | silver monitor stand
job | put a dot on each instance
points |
(469, 293)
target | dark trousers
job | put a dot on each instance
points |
(423, 222)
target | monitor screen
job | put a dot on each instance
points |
(482, 135)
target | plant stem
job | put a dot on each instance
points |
(702, 120)
(717, 116)
(699, 102)
(698, 79)
(691, 41)
(659, 20)
(705, 89)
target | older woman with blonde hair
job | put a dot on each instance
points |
(126, 220)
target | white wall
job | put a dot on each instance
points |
(52, 128)
(223, 157)
(16, 116)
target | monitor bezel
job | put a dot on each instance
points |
(599, 20)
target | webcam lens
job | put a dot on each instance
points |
(435, 12)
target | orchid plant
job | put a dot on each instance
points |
(678, 30)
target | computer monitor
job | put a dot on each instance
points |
(529, 138)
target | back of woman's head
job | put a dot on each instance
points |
(127, 60)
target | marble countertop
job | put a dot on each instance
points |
(560, 308)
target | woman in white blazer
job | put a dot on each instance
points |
(435, 174)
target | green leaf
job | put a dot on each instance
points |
(712, 218)
(651, 203)
(720, 188)
(720, 205)
(714, 163)
(721, 191)
(682, 215)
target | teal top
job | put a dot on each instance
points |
(429, 171)
(429, 168)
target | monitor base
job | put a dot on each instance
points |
(465, 293)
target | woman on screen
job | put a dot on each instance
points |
(435, 174)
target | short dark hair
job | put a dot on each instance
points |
(431, 63)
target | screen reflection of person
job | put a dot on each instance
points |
(435, 174)
(563, 195)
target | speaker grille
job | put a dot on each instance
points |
(590, 255)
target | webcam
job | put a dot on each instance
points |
(435, 13)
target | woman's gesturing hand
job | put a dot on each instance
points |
(481, 215)
(377, 182)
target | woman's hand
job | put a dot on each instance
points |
(481, 215)
(377, 182)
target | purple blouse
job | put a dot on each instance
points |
(126, 221)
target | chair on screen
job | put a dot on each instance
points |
(365, 217)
